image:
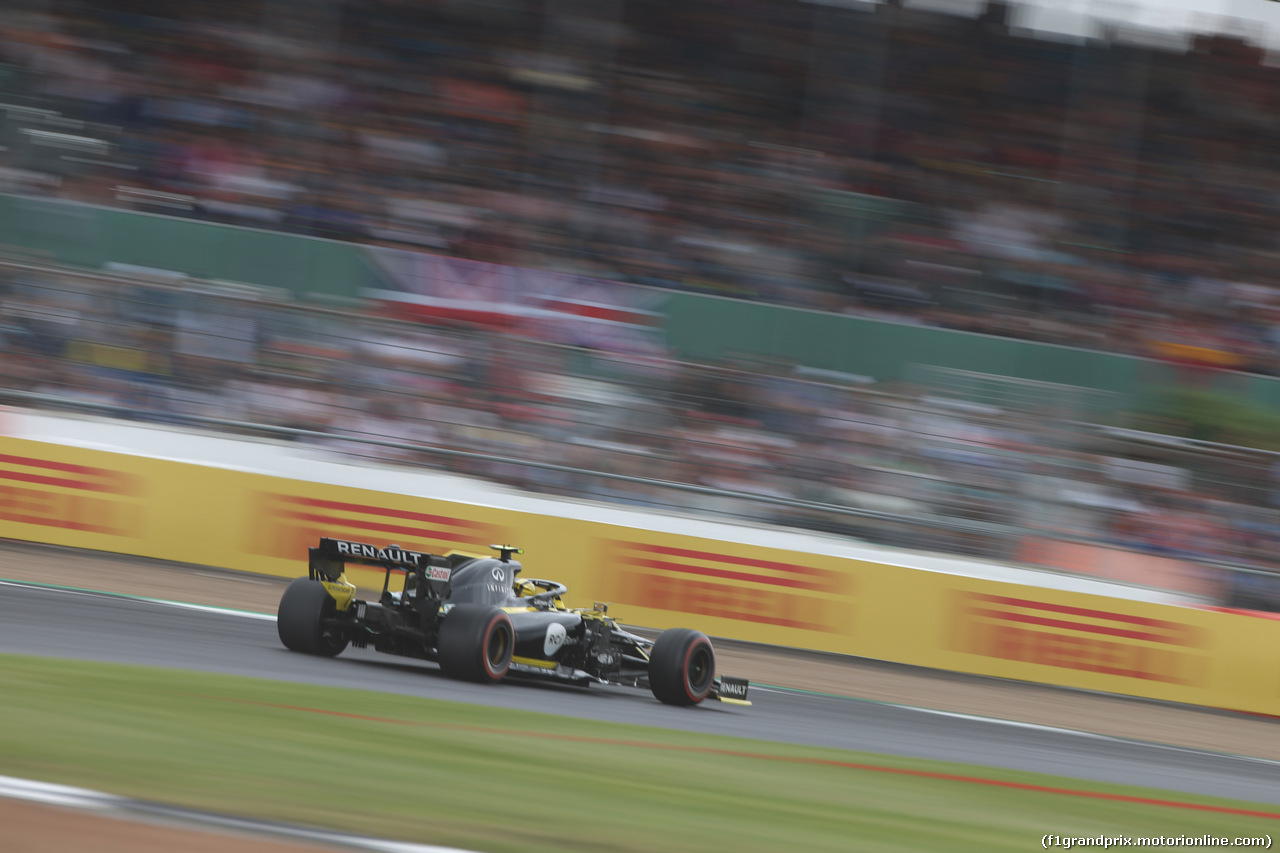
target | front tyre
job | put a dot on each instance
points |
(304, 607)
(682, 667)
(475, 643)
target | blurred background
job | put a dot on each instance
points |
(985, 279)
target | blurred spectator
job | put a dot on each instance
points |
(901, 164)
(889, 161)
(927, 468)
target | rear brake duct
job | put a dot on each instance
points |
(342, 590)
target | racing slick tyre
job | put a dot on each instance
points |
(682, 667)
(302, 607)
(475, 643)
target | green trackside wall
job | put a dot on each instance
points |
(88, 236)
(714, 327)
(697, 326)
(1264, 389)
(710, 327)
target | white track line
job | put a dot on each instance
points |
(81, 798)
(55, 795)
(1019, 724)
(204, 608)
(1093, 735)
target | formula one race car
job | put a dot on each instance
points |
(481, 622)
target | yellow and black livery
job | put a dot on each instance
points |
(480, 621)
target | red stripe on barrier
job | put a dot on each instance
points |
(728, 574)
(1028, 619)
(1081, 611)
(725, 558)
(378, 526)
(66, 523)
(65, 467)
(341, 506)
(49, 480)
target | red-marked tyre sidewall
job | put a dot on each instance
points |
(696, 688)
(499, 641)
(475, 643)
(682, 667)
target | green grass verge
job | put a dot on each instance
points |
(497, 780)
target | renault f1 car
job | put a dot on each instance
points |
(482, 622)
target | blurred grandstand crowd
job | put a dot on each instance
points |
(883, 161)
(926, 466)
(872, 159)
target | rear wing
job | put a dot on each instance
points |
(327, 561)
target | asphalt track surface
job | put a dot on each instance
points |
(91, 626)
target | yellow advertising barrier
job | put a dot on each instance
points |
(253, 522)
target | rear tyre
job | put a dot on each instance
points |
(475, 643)
(299, 621)
(682, 667)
